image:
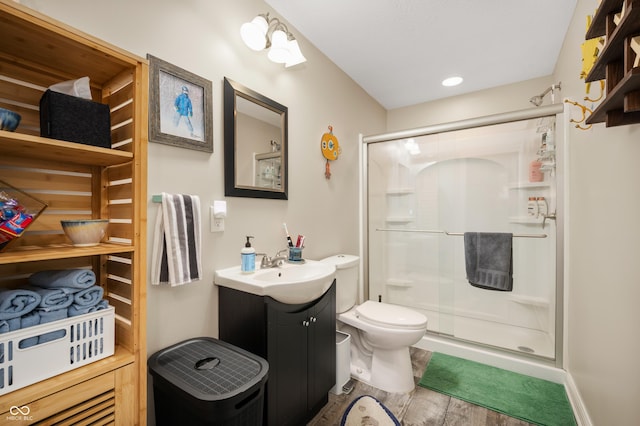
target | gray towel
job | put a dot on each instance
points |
(489, 260)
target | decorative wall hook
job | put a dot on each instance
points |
(584, 110)
(588, 99)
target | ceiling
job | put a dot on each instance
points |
(399, 51)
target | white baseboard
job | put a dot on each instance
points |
(579, 410)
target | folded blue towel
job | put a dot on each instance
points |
(50, 315)
(13, 324)
(54, 298)
(89, 296)
(9, 325)
(69, 278)
(75, 310)
(29, 320)
(17, 302)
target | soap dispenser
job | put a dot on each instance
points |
(248, 258)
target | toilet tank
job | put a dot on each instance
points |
(347, 274)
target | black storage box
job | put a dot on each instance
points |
(205, 381)
(74, 119)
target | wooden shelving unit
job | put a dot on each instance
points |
(79, 181)
(621, 105)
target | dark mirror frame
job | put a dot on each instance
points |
(233, 89)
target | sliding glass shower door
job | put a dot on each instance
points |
(425, 192)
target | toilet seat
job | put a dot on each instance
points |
(390, 316)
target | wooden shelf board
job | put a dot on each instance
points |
(599, 22)
(22, 145)
(120, 358)
(614, 47)
(30, 254)
(615, 99)
(47, 41)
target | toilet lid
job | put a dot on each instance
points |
(390, 315)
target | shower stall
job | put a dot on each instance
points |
(424, 188)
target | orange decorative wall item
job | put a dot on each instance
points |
(330, 150)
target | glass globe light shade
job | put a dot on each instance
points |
(279, 51)
(254, 33)
(296, 57)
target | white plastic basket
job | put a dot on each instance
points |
(83, 340)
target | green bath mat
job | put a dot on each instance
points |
(516, 395)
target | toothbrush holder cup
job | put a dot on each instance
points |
(295, 254)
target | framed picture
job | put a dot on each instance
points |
(180, 107)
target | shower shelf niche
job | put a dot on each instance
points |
(525, 220)
(400, 191)
(398, 282)
(400, 219)
(529, 185)
(538, 302)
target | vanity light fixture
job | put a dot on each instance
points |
(271, 33)
(452, 81)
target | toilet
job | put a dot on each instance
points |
(381, 333)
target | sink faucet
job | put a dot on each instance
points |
(272, 262)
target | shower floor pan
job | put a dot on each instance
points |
(490, 333)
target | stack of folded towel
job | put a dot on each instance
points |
(51, 295)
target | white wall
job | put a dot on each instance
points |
(202, 36)
(602, 338)
(511, 97)
(604, 289)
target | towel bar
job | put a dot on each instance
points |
(455, 234)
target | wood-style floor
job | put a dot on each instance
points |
(420, 407)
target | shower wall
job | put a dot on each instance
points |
(425, 192)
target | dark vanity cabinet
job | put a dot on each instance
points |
(298, 341)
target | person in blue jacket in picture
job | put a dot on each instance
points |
(184, 109)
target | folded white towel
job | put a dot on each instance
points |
(176, 250)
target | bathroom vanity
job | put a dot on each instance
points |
(298, 341)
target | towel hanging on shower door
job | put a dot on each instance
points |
(489, 260)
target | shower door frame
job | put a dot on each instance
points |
(530, 113)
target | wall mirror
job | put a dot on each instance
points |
(255, 144)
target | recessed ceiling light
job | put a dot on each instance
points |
(451, 81)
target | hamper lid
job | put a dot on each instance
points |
(208, 369)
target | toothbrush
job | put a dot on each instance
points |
(284, 225)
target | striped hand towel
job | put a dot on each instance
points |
(176, 256)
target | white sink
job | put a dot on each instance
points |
(291, 283)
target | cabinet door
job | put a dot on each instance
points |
(287, 356)
(322, 351)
